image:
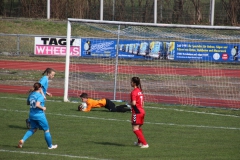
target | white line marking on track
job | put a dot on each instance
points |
(118, 120)
(51, 154)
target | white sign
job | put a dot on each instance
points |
(56, 46)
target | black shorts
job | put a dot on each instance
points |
(110, 106)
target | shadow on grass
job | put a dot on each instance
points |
(102, 110)
(93, 110)
(109, 144)
(18, 127)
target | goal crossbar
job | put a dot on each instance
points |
(134, 32)
(153, 24)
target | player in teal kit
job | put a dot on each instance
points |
(50, 73)
(37, 116)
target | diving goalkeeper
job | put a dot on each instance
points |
(106, 103)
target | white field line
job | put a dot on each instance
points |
(177, 110)
(51, 154)
(180, 110)
(118, 120)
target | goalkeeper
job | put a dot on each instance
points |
(106, 103)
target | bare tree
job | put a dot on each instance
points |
(232, 8)
(120, 10)
(132, 9)
(177, 10)
(145, 11)
(197, 7)
(1, 7)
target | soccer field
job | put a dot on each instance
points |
(173, 132)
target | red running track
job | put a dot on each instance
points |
(22, 65)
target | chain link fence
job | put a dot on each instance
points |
(19, 44)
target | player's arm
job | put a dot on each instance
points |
(88, 108)
(28, 102)
(133, 97)
(134, 100)
(38, 105)
(41, 91)
(49, 94)
(43, 81)
(133, 103)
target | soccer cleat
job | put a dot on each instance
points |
(138, 144)
(28, 124)
(53, 146)
(144, 146)
(20, 143)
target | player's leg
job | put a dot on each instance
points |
(48, 139)
(139, 142)
(137, 122)
(110, 106)
(123, 108)
(28, 123)
(43, 123)
(29, 133)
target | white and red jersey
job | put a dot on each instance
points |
(137, 95)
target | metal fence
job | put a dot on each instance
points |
(19, 44)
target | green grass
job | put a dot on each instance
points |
(33, 26)
(27, 75)
(173, 132)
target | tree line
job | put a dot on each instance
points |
(227, 12)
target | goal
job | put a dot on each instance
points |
(177, 64)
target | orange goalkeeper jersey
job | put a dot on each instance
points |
(91, 103)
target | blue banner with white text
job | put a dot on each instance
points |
(108, 48)
(147, 49)
(217, 52)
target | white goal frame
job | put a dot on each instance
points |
(69, 27)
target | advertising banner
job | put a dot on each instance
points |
(147, 49)
(56, 46)
(135, 49)
(108, 48)
(218, 52)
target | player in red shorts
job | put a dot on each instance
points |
(138, 112)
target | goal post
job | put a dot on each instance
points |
(67, 62)
(178, 64)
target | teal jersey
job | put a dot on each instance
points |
(36, 113)
(44, 83)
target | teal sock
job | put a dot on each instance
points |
(48, 138)
(28, 134)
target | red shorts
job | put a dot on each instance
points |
(138, 119)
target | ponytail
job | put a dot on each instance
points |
(48, 71)
(31, 90)
(137, 81)
(35, 87)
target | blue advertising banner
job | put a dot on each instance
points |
(108, 48)
(217, 52)
(180, 51)
(135, 49)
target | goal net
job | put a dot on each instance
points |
(177, 64)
